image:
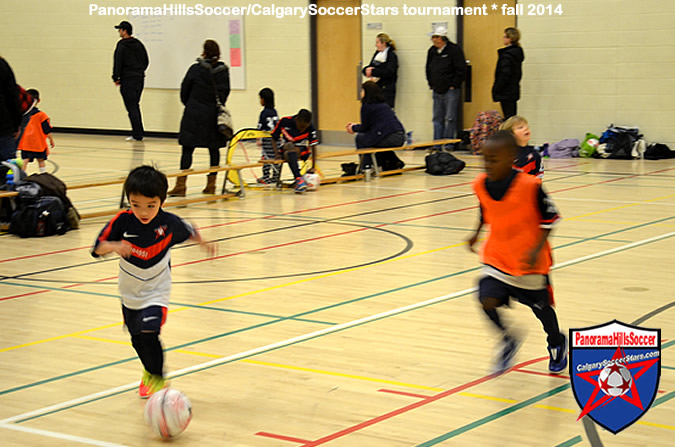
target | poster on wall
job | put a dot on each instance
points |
(174, 43)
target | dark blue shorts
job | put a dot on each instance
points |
(149, 319)
(30, 155)
(489, 287)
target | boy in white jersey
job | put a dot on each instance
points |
(143, 237)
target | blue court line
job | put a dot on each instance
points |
(302, 314)
(276, 348)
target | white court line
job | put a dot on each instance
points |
(53, 434)
(291, 341)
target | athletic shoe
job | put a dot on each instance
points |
(263, 181)
(300, 185)
(509, 347)
(558, 357)
(143, 388)
(156, 383)
(133, 139)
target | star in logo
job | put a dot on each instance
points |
(160, 231)
(603, 385)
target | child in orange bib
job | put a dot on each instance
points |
(516, 255)
(33, 143)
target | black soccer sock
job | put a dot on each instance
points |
(154, 353)
(549, 320)
(292, 158)
(493, 315)
(138, 343)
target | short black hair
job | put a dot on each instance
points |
(33, 94)
(503, 138)
(147, 181)
(372, 93)
(267, 96)
(304, 116)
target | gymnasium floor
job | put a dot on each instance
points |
(342, 317)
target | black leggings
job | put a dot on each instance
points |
(186, 157)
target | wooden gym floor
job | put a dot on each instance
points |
(342, 317)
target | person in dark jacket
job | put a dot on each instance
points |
(446, 70)
(199, 126)
(383, 67)
(506, 88)
(129, 65)
(379, 127)
(10, 112)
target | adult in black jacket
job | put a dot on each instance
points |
(10, 111)
(446, 70)
(383, 67)
(379, 127)
(199, 126)
(129, 64)
(509, 71)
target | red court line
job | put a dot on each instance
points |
(410, 407)
(403, 393)
(539, 373)
(44, 254)
(281, 437)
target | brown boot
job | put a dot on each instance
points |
(180, 188)
(210, 183)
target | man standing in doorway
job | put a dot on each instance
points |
(446, 70)
(130, 62)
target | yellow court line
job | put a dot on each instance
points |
(622, 207)
(59, 337)
(267, 289)
(548, 407)
(338, 374)
(482, 396)
(652, 424)
(619, 222)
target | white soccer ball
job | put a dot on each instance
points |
(615, 380)
(313, 181)
(593, 142)
(168, 413)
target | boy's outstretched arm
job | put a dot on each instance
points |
(474, 238)
(210, 248)
(122, 248)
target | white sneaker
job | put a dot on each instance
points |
(129, 139)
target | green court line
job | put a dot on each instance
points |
(574, 441)
(520, 405)
(494, 416)
(667, 367)
(193, 306)
(302, 314)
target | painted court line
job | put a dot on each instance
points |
(63, 436)
(304, 337)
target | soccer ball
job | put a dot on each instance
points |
(313, 181)
(168, 413)
(615, 380)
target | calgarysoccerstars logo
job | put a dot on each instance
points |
(615, 370)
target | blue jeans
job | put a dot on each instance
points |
(7, 148)
(445, 113)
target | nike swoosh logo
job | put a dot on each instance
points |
(146, 319)
(129, 235)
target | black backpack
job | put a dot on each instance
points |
(45, 216)
(443, 163)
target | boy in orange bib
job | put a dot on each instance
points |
(516, 255)
(33, 143)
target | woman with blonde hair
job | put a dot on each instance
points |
(509, 71)
(383, 67)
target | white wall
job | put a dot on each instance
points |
(58, 48)
(601, 62)
(413, 97)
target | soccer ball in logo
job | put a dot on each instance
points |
(615, 380)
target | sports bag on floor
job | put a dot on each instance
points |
(443, 163)
(44, 217)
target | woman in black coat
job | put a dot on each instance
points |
(509, 71)
(379, 127)
(383, 67)
(199, 126)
